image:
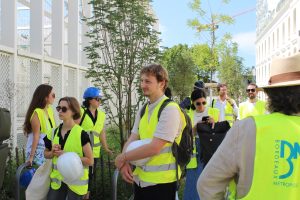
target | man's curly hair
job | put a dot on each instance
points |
(285, 100)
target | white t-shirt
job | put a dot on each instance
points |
(198, 117)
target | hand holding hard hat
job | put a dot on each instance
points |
(136, 144)
(70, 167)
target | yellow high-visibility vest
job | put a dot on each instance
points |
(229, 112)
(95, 130)
(276, 173)
(160, 168)
(258, 109)
(73, 144)
(44, 122)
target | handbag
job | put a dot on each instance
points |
(211, 138)
(40, 182)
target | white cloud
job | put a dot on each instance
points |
(246, 41)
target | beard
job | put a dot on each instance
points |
(252, 97)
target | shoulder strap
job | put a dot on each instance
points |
(212, 103)
(143, 110)
(163, 105)
(83, 116)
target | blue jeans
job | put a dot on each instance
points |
(192, 175)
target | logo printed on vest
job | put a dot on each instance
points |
(287, 152)
(293, 154)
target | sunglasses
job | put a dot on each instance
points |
(97, 99)
(53, 95)
(62, 108)
(250, 90)
(201, 103)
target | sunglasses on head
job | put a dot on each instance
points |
(201, 103)
(250, 90)
(62, 108)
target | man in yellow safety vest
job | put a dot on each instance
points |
(227, 106)
(261, 153)
(157, 178)
(252, 106)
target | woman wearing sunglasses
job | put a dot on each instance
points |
(68, 137)
(92, 120)
(199, 113)
(38, 121)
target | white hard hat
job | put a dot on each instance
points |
(70, 167)
(136, 144)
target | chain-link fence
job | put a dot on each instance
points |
(5, 82)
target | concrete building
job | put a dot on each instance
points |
(277, 34)
(40, 42)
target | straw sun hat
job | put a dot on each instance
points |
(284, 72)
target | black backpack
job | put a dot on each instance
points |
(184, 150)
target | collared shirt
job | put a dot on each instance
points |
(221, 106)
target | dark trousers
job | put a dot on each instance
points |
(92, 172)
(62, 193)
(166, 191)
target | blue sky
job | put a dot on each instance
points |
(174, 14)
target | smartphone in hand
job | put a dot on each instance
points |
(205, 118)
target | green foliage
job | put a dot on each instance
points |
(201, 26)
(182, 70)
(231, 70)
(7, 192)
(122, 41)
(201, 57)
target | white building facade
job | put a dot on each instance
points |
(277, 34)
(41, 41)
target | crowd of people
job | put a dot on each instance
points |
(258, 158)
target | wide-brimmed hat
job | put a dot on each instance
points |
(284, 72)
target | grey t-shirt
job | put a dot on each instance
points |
(169, 124)
(168, 127)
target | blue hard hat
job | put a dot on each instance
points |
(26, 177)
(92, 92)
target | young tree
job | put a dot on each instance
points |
(231, 69)
(182, 70)
(209, 22)
(201, 57)
(122, 41)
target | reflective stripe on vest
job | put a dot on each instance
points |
(276, 172)
(96, 130)
(212, 112)
(73, 144)
(160, 168)
(246, 111)
(78, 182)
